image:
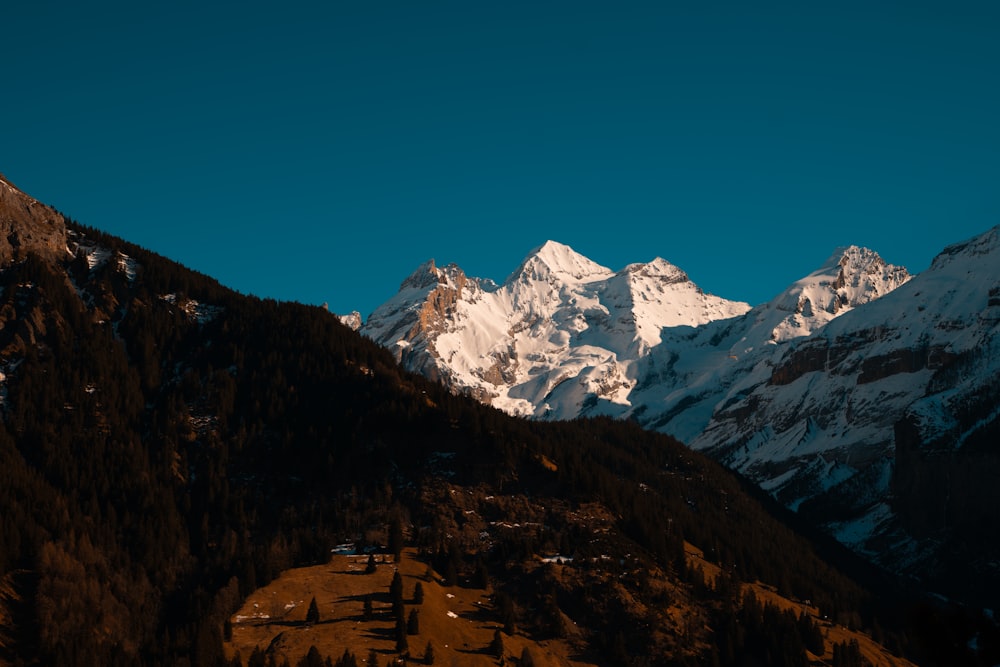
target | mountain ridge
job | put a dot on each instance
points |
(853, 330)
(170, 446)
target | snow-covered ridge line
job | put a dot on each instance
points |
(565, 336)
(802, 394)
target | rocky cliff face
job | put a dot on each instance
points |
(27, 225)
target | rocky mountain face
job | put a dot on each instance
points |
(852, 397)
(27, 225)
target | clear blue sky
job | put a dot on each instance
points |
(320, 151)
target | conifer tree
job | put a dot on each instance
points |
(496, 646)
(413, 623)
(418, 593)
(429, 654)
(396, 587)
(312, 615)
(401, 644)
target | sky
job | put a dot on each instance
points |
(320, 151)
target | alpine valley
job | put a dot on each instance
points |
(191, 476)
(863, 398)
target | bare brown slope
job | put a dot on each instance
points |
(459, 622)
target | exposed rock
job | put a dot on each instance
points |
(27, 225)
(806, 358)
(352, 320)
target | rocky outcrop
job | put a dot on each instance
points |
(351, 320)
(28, 226)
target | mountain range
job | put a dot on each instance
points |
(862, 397)
(173, 454)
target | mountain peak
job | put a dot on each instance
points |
(658, 268)
(863, 275)
(851, 276)
(557, 259)
(423, 276)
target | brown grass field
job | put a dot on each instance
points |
(459, 622)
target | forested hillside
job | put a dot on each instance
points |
(168, 446)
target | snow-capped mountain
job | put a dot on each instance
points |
(561, 336)
(851, 396)
(564, 336)
(681, 382)
(882, 425)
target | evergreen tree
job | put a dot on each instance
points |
(311, 659)
(371, 568)
(418, 593)
(401, 643)
(556, 623)
(505, 607)
(396, 587)
(413, 623)
(429, 654)
(312, 615)
(346, 660)
(496, 646)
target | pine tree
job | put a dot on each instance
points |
(346, 660)
(418, 593)
(371, 567)
(413, 623)
(396, 588)
(496, 646)
(401, 643)
(311, 659)
(312, 615)
(429, 654)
